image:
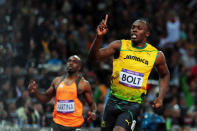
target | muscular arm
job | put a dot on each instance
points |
(45, 96)
(87, 91)
(164, 75)
(100, 54)
(95, 53)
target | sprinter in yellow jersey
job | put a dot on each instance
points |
(132, 63)
(67, 90)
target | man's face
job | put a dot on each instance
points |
(139, 31)
(73, 64)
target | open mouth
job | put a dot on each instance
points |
(133, 36)
(69, 67)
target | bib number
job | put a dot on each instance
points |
(131, 78)
(65, 106)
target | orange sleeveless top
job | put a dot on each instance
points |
(68, 108)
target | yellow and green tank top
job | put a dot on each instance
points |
(131, 71)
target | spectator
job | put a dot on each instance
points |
(20, 87)
(30, 31)
(173, 30)
(3, 113)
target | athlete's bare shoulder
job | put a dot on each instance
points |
(161, 65)
(84, 85)
(83, 81)
(160, 58)
(115, 44)
(56, 80)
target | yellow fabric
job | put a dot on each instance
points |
(131, 71)
(45, 47)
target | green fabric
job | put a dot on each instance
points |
(168, 124)
(97, 95)
(189, 99)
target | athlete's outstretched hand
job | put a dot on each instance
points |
(32, 87)
(91, 116)
(157, 103)
(102, 27)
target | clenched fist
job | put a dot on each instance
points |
(32, 87)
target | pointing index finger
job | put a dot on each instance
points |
(106, 17)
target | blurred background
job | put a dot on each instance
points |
(38, 36)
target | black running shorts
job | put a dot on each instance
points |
(57, 127)
(120, 113)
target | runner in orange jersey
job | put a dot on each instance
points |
(67, 90)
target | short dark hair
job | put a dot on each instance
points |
(147, 22)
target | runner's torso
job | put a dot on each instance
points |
(68, 108)
(131, 71)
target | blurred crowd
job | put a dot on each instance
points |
(37, 37)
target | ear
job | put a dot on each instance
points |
(147, 34)
(79, 67)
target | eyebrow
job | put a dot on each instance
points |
(136, 25)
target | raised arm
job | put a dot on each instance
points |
(45, 96)
(95, 53)
(164, 77)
